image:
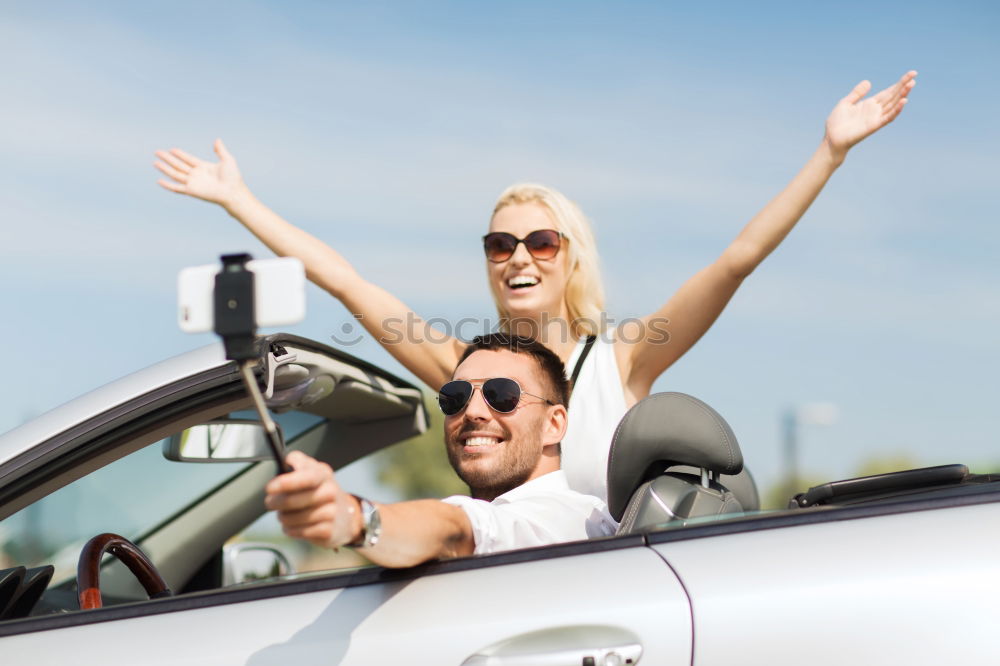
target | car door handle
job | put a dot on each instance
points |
(574, 645)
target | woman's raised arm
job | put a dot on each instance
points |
(695, 306)
(393, 324)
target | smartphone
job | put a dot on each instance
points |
(279, 294)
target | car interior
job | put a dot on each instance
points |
(328, 405)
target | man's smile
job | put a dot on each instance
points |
(479, 441)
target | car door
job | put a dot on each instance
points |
(905, 583)
(545, 606)
(614, 600)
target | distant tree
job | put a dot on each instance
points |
(885, 464)
(985, 467)
(418, 467)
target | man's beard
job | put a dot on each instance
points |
(512, 466)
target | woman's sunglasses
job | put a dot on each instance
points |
(541, 244)
(501, 394)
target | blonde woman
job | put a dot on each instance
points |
(542, 269)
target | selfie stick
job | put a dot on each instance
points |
(236, 324)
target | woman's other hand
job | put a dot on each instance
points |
(217, 182)
(855, 118)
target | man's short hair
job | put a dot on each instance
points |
(553, 370)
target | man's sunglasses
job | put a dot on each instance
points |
(501, 394)
(541, 244)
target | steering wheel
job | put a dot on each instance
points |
(88, 570)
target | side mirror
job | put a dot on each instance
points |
(247, 562)
(223, 440)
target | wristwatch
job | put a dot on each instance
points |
(371, 525)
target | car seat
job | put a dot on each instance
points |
(674, 458)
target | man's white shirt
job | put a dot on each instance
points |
(537, 513)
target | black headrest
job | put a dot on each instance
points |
(664, 430)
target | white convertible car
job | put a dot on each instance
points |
(897, 569)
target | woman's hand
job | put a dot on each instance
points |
(854, 118)
(216, 182)
(696, 305)
(430, 358)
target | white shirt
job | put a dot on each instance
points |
(537, 513)
(595, 408)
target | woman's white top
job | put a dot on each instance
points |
(595, 408)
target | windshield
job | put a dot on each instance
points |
(128, 497)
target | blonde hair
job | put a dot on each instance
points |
(584, 295)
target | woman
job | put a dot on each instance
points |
(542, 269)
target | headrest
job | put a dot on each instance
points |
(663, 430)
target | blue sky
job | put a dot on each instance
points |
(389, 129)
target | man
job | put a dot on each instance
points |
(505, 416)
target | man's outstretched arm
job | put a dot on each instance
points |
(312, 506)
